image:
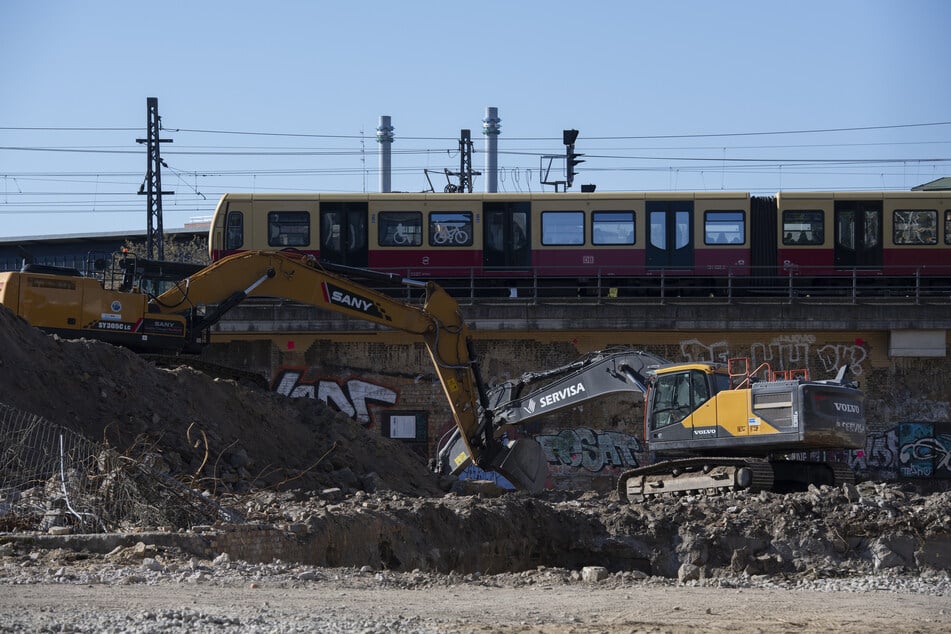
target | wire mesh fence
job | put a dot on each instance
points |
(53, 477)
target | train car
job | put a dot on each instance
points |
(625, 240)
(885, 240)
(386, 231)
(634, 237)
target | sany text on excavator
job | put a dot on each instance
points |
(72, 306)
(714, 427)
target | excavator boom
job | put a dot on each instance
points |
(179, 319)
(438, 322)
(520, 401)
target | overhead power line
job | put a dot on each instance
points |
(75, 129)
(774, 132)
(556, 138)
(618, 156)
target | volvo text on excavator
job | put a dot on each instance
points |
(73, 306)
(713, 427)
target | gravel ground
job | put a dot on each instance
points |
(168, 594)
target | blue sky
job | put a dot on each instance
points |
(286, 96)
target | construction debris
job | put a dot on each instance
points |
(261, 477)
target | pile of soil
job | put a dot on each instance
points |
(220, 435)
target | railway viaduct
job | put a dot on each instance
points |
(896, 348)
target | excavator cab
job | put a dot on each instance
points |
(708, 409)
(681, 405)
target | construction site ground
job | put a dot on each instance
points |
(248, 511)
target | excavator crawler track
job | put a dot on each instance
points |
(842, 473)
(797, 475)
(708, 476)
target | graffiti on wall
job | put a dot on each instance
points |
(590, 450)
(834, 356)
(350, 396)
(579, 452)
(907, 450)
(696, 350)
(785, 352)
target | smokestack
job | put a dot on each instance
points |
(491, 127)
(384, 136)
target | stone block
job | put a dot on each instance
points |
(594, 574)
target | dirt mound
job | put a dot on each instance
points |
(219, 434)
(821, 533)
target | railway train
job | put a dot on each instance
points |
(612, 242)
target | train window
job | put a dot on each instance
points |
(724, 227)
(562, 227)
(234, 233)
(450, 229)
(873, 227)
(612, 227)
(288, 228)
(803, 227)
(947, 227)
(400, 228)
(914, 226)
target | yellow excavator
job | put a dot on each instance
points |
(712, 427)
(64, 302)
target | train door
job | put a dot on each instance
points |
(858, 234)
(507, 235)
(669, 234)
(343, 233)
(230, 231)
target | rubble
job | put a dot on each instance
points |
(300, 483)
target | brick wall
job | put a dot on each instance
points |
(601, 438)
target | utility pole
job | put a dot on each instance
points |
(152, 185)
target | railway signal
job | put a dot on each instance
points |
(571, 157)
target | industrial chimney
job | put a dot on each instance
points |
(384, 136)
(491, 127)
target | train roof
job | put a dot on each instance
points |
(862, 195)
(584, 196)
(676, 195)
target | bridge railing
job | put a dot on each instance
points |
(819, 284)
(912, 284)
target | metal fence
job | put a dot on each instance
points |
(909, 283)
(87, 264)
(52, 477)
(916, 285)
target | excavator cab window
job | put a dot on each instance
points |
(671, 401)
(700, 390)
(721, 382)
(676, 395)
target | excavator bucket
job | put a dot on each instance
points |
(523, 463)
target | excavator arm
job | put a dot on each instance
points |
(294, 276)
(601, 373)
